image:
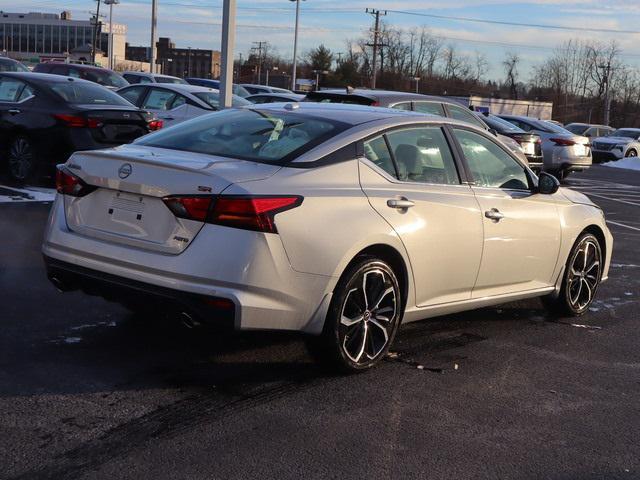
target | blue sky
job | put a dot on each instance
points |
(196, 23)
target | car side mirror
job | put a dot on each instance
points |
(547, 184)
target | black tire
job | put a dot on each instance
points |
(374, 316)
(581, 278)
(631, 153)
(21, 159)
(559, 174)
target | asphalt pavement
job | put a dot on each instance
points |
(87, 390)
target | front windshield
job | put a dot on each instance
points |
(106, 78)
(85, 93)
(7, 65)
(213, 99)
(261, 136)
(624, 132)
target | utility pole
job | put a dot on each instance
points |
(607, 100)
(111, 3)
(260, 47)
(154, 25)
(295, 46)
(95, 34)
(376, 31)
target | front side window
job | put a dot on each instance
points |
(248, 134)
(464, 115)
(423, 155)
(431, 108)
(10, 89)
(490, 165)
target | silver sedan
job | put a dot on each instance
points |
(338, 221)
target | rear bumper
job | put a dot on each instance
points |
(69, 277)
(248, 268)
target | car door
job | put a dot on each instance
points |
(412, 180)
(522, 230)
(16, 99)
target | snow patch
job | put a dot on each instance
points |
(628, 163)
(26, 194)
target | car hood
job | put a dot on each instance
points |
(614, 140)
(576, 197)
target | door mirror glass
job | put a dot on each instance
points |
(547, 184)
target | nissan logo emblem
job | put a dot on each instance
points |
(124, 171)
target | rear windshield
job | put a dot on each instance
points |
(577, 129)
(106, 78)
(78, 92)
(501, 125)
(213, 99)
(261, 136)
(7, 65)
(179, 81)
(338, 98)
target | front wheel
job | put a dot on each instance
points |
(363, 317)
(581, 277)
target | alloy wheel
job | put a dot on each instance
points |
(368, 316)
(584, 274)
(632, 153)
(20, 159)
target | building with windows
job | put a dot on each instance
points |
(179, 62)
(35, 36)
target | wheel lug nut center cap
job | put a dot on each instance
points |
(367, 315)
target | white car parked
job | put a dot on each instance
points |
(175, 103)
(339, 221)
(624, 142)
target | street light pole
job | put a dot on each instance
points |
(295, 46)
(111, 3)
(154, 24)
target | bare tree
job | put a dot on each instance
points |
(510, 64)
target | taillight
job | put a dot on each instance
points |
(77, 121)
(155, 124)
(68, 184)
(189, 207)
(563, 142)
(246, 212)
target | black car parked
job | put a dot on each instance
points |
(45, 118)
(531, 143)
(102, 76)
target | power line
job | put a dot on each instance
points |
(515, 24)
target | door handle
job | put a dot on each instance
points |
(494, 214)
(400, 203)
(166, 118)
(14, 111)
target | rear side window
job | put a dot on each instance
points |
(376, 151)
(262, 136)
(132, 94)
(159, 99)
(423, 155)
(131, 78)
(464, 115)
(432, 108)
(402, 106)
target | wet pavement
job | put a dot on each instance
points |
(89, 391)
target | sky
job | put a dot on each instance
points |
(196, 23)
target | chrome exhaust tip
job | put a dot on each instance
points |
(188, 321)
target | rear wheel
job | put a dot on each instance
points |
(21, 159)
(363, 317)
(581, 277)
(631, 153)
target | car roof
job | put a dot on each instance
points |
(387, 95)
(177, 87)
(350, 114)
(629, 128)
(80, 66)
(44, 77)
